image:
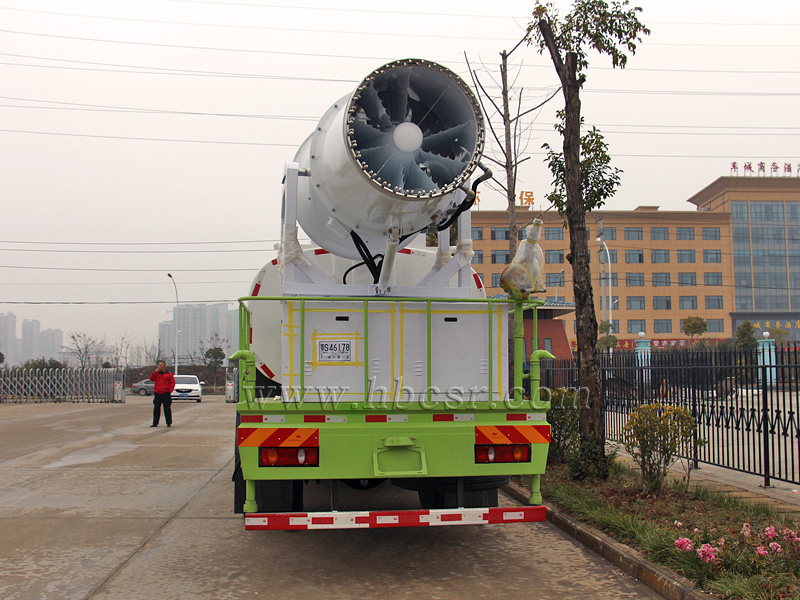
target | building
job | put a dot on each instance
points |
(51, 344)
(9, 343)
(200, 326)
(736, 257)
(30, 342)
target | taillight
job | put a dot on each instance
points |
(289, 457)
(502, 453)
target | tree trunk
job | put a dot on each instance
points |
(592, 417)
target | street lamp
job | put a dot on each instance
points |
(558, 283)
(610, 308)
(175, 319)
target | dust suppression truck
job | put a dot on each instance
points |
(367, 358)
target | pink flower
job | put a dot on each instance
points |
(707, 553)
(761, 551)
(775, 547)
(790, 535)
(696, 530)
(746, 530)
(678, 524)
(770, 532)
(684, 544)
(721, 541)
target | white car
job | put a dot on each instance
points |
(187, 387)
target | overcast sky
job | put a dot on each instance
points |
(144, 137)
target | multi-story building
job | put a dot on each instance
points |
(9, 343)
(51, 343)
(200, 326)
(30, 342)
(736, 257)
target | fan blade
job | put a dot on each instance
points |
(376, 158)
(395, 96)
(367, 136)
(417, 180)
(442, 168)
(373, 108)
(392, 171)
(445, 143)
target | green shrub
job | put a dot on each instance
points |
(563, 418)
(655, 435)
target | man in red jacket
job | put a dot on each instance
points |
(164, 384)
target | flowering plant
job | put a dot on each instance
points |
(746, 552)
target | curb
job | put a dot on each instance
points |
(659, 579)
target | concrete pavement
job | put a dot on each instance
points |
(96, 504)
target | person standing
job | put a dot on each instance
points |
(164, 384)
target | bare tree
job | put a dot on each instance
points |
(120, 349)
(85, 348)
(508, 128)
(609, 30)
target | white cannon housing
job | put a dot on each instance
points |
(389, 156)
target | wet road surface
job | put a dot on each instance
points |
(95, 504)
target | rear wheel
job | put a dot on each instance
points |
(142, 392)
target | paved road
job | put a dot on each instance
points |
(96, 504)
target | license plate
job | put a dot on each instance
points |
(184, 396)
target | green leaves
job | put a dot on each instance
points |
(599, 180)
(610, 29)
(655, 435)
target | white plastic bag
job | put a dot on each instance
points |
(524, 275)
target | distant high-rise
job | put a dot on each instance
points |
(200, 326)
(52, 343)
(9, 344)
(30, 346)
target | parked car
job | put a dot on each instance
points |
(143, 387)
(188, 387)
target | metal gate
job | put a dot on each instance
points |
(61, 385)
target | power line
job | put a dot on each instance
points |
(102, 302)
(119, 270)
(255, 27)
(51, 242)
(184, 47)
(159, 111)
(145, 139)
(61, 251)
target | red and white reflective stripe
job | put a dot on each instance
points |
(404, 251)
(324, 419)
(256, 289)
(319, 251)
(394, 518)
(267, 371)
(386, 419)
(274, 261)
(478, 280)
(526, 417)
(453, 417)
(263, 419)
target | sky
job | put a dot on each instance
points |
(144, 137)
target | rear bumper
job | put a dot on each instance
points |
(396, 518)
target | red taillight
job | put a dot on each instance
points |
(289, 457)
(502, 453)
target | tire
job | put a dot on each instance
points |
(199, 399)
(142, 392)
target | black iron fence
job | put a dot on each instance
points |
(745, 401)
